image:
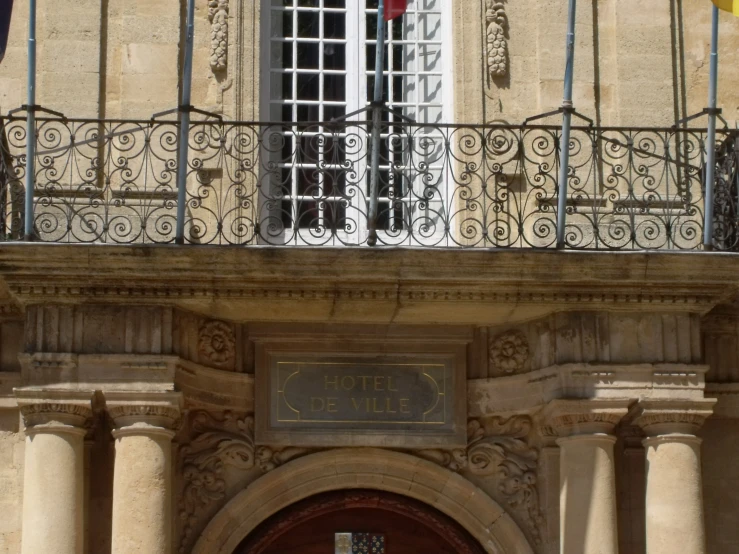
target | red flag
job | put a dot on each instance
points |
(395, 8)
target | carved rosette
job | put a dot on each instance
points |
(217, 343)
(219, 443)
(509, 353)
(496, 22)
(218, 17)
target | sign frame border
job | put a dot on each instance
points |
(267, 352)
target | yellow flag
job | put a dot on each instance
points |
(731, 6)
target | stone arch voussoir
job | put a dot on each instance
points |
(363, 468)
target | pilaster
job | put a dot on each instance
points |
(53, 482)
(145, 424)
(674, 499)
(588, 522)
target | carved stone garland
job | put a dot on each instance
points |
(218, 17)
(496, 22)
(219, 442)
(496, 448)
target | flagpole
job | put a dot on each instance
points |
(184, 116)
(30, 123)
(711, 138)
(567, 109)
(376, 122)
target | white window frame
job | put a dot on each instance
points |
(356, 82)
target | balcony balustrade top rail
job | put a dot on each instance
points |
(471, 186)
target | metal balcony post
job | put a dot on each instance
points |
(567, 109)
(376, 125)
(184, 117)
(711, 138)
(28, 233)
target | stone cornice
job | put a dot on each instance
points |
(214, 389)
(567, 417)
(530, 391)
(43, 408)
(154, 409)
(660, 417)
(399, 282)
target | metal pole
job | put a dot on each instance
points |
(30, 124)
(376, 125)
(564, 145)
(184, 133)
(711, 138)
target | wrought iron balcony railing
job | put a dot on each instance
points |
(440, 185)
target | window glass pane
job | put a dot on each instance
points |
(322, 62)
(309, 24)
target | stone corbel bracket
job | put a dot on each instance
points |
(218, 17)
(496, 23)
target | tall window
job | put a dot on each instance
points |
(320, 67)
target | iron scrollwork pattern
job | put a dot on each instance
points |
(306, 184)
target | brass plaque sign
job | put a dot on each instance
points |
(358, 399)
(376, 394)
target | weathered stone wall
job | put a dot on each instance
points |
(720, 482)
(582, 340)
(11, 478)
(12, 437)
(637, 63)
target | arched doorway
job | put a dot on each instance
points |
(400, 524)
(364, 468)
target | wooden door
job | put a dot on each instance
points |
(407, 526)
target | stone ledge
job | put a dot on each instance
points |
(527, 392)
(396, 285)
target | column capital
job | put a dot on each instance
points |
(666, 417)
(54, 410)
(131, 411)
(583, 417)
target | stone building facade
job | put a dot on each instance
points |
(512, 401)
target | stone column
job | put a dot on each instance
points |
(142, 478)
(587, 502)
(53, 481)
(674, 503)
